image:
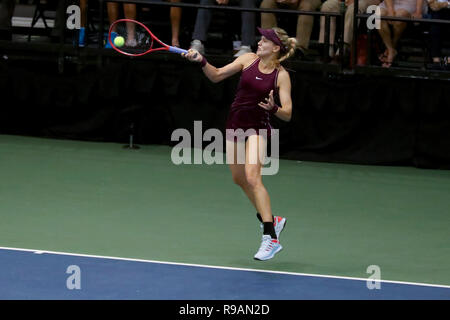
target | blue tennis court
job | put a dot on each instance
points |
(30, 274)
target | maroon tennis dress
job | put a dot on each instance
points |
(254, 87)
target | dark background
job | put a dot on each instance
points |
(364, 117)
(354, 119)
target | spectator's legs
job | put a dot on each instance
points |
(390, 40)
(130, 13)
(83, 4)
(348, 20)
(82, 32)
(329, 6)
(384, 31)
(129, 10)
(446, 30)
(268, 20)
(6, 12)
(305, 23)
(113, 12)
(202, 22)
(248, 23)
(435, 33)
(362, 8)
(399, 27)
(175, 19)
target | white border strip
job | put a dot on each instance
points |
(36, 251)
(26, 22)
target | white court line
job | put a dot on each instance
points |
(37, 251)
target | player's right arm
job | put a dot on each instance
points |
(218, 74)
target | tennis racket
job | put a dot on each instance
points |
(136, 39)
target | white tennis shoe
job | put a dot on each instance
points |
(131, 43)
(269, 247)
(197, 45)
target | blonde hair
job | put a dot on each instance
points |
(290, 44)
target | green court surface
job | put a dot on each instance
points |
(101, 199)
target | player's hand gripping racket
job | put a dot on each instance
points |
(133, 38)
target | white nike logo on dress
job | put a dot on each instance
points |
(258, 78)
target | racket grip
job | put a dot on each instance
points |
(177, 50)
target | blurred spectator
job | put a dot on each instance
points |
(397, 8)
(304, 22)
(204, 19)
(175, 20)
(81, 37)
(129, 10)
(6, 12)
(439, 10)
(334, 6)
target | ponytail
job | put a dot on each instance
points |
(290, 44)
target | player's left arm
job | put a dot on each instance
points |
(284, 112)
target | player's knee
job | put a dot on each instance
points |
(253, 179)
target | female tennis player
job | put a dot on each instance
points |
(262, 78)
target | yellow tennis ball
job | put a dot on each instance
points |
(119, 41)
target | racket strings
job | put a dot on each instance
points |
(135, 38)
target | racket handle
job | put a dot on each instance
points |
(177, 50)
